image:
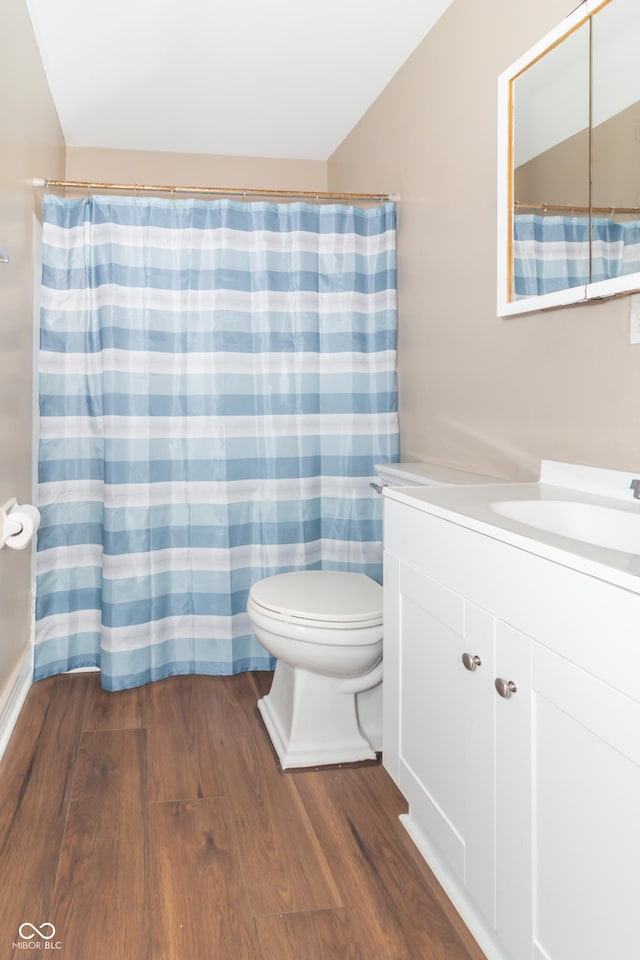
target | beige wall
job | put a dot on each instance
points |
(31, 145)
(194, 170)
(477, 391)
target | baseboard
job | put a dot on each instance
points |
(14, 695)
(475, 924)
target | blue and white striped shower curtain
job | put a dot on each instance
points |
(217, 381)
(556, 253)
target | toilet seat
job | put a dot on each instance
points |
(328, 599)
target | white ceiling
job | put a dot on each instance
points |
(268, 78)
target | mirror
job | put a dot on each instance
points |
(615, 139)
(569, 163)
(550, 226)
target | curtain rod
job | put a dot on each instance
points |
(225, 191)
(568, 206)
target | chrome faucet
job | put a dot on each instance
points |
(635, 486)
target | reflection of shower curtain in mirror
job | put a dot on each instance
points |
(217, 381)
(615, 249)
(552, 253)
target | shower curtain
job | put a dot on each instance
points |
(217, 381)
(553, 253)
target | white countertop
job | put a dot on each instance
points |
(470, 506)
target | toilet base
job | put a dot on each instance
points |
(310, 721)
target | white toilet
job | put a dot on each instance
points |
(325, 629)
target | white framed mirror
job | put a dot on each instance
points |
(569, 163)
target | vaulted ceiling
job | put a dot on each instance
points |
(269, 78)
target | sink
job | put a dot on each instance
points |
(588, 522)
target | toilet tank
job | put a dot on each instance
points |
(428, 474)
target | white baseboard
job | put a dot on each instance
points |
(475, 923)
(14, 695)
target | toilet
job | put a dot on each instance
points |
(325, 629)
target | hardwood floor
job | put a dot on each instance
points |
(155, 824)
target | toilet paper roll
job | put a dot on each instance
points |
(29, 519)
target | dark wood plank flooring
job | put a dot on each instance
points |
(155, 824)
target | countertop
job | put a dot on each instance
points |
(470, 507)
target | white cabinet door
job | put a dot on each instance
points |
(445, 767)
(568, 796)
(587, 822)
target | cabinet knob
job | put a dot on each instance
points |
(505, 688)
(471, 662)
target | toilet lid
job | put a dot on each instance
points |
(328, 595)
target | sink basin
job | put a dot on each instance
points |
(588, 522)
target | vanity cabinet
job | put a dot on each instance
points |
(523, 799)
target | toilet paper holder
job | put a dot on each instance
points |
(13, 524)
(8, 527)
